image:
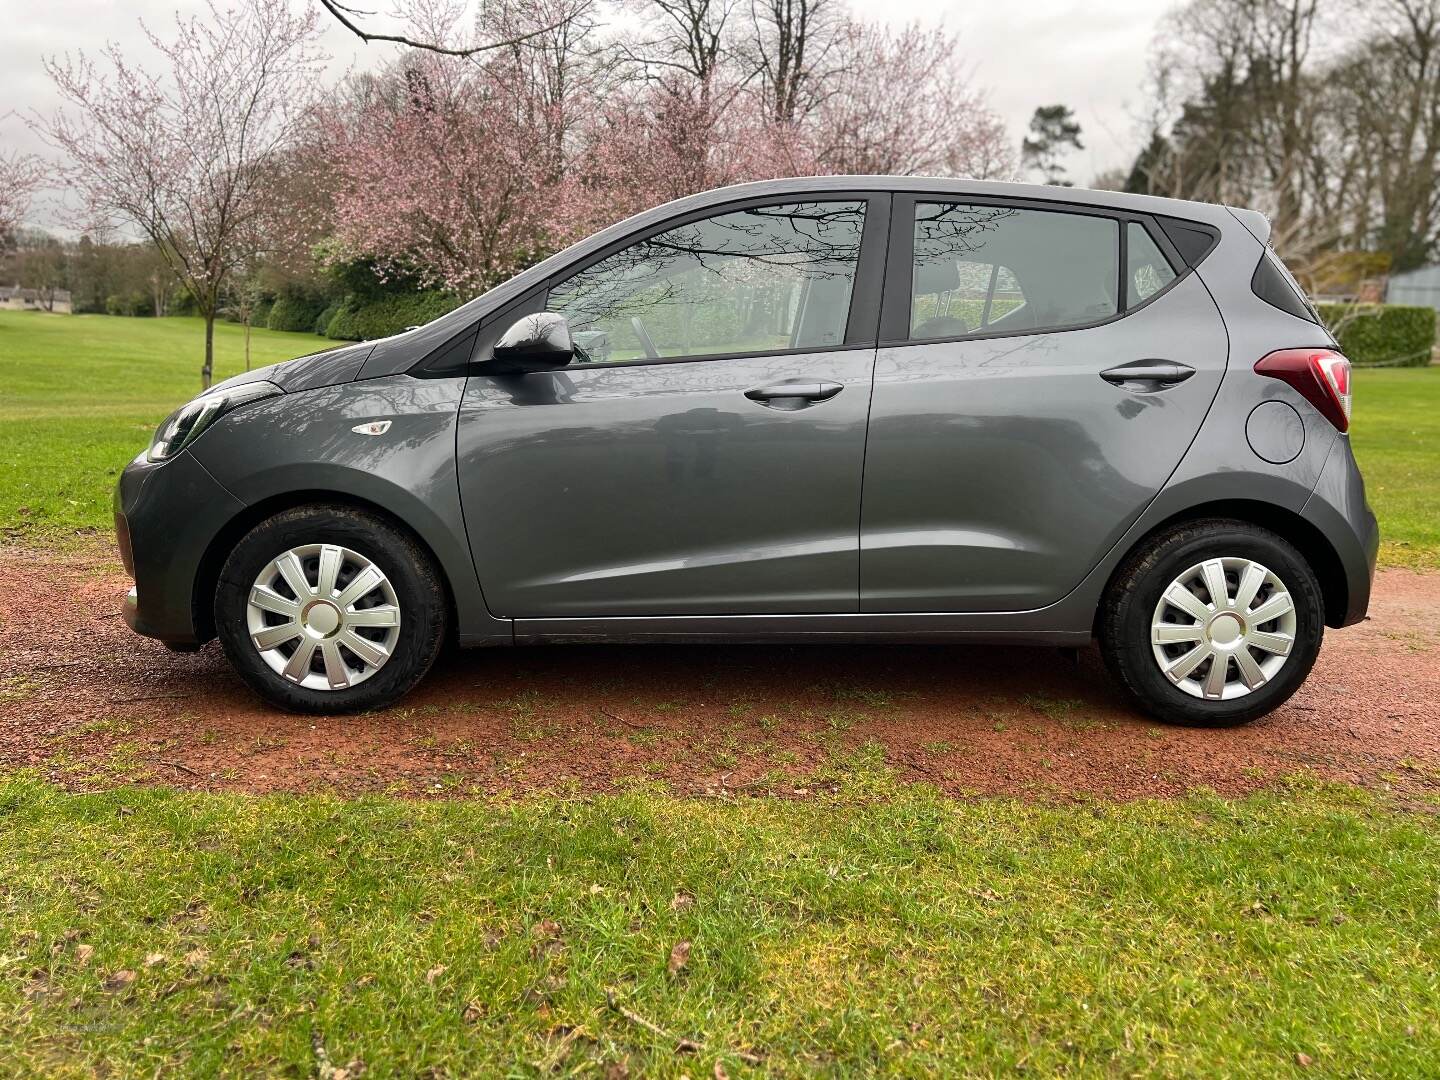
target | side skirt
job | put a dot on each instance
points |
(841, 629)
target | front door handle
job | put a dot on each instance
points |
(794, 393)
(1147, 376)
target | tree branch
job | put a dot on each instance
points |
(341, 13)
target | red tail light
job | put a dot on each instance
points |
(1321, 375)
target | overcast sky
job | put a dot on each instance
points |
(1089, 56)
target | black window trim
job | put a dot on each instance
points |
(896, 299)
(880, 276)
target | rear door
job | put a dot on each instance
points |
(1041, 373)
(705, 457)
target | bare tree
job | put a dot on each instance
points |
(548, 62)
(1245, 124)
(185, 156)
(41, 264)
(692, 37)
(348, 17)
(793, 46)
(1258, 104)
(1382, 159)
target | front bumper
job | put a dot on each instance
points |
(166, 517)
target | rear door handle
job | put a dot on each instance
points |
(794, 394)
(1144, 376)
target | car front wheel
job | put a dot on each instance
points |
(326, 609)
(1213, 623)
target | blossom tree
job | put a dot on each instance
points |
(440, 183)
(940, 125)
(456, 173)
(20, 176)
(185, 156)
(672, 138)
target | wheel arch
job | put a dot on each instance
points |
(207, 574)
(1305, 537)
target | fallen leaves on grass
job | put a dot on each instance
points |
(548, 937)
(679, 957)
(434, 973)
(119, 980)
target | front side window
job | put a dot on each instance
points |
(765, 279)
(1002, 269)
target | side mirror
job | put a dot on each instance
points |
(538, 342)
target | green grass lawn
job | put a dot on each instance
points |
(81, 394)
(146, 932)
(1396, 435)
(878, 929)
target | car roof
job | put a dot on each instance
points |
(949, 185)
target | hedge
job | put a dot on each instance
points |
(296, 310)
(1390, 335)
(322, 321)
(390, 315)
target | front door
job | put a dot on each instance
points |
(1029, 400)
(705, 455)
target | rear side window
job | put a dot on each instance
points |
(1273, 284)
(1147, 271)
(999, 269)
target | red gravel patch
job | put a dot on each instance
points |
(91, 703)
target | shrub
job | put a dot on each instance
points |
(130, 303)
(389, 315)
(1382, 334)
(260, 315)
(183, 303)
(296, 309)
(322, 321)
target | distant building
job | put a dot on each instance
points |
(1419, 287)
(14, 298)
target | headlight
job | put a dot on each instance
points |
(185, 424)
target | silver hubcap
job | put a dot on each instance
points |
(323, 616)
(1223, 628)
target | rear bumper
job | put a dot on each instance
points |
(165, 519)
(1338, 509)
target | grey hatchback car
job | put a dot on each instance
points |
(830, 409)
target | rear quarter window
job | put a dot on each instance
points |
(1272, 283)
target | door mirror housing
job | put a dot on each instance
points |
(539, 342)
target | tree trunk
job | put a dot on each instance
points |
(208, 371)
(247, 340)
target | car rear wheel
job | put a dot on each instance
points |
(326, 609)
(1213, 623)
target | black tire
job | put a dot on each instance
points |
(411, 573)
(1130, 602)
